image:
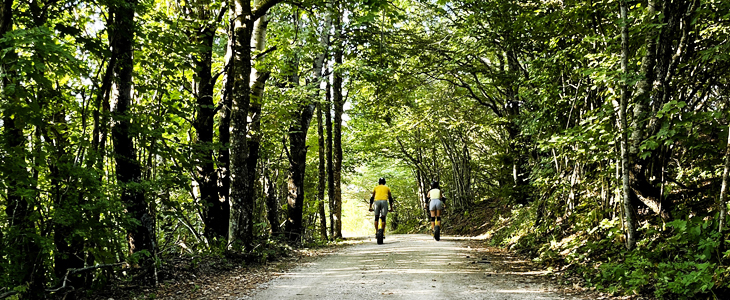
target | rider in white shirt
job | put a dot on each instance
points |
(436, 203)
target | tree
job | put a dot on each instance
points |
(244, 17)
(297, 152)
(330, 162)
(338, 103)
(259, 77)
(215, 212)
(723, 188)
(321, 184)
(623, 128)
(141, 229)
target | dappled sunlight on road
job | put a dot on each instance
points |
(406, 267)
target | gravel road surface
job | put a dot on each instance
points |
(412, 266)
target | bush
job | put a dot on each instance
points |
(683, 259)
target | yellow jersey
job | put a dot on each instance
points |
(381, 192)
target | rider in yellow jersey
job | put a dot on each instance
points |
(380, 194)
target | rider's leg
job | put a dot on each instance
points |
(438, 216)
(376, 223)
(383, 220)
(433, 215)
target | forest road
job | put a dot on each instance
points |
(411, 266)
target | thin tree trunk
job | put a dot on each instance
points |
(644, 86)
(330, 163)
(322, 179)
(271, 193)
(625, 163)
(258, 84)
(723, 189)
(337, 130)
(319, 67)
(423, 188)
(224, 138)
(101, 105)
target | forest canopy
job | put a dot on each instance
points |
(138, 130)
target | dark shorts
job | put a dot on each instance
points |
(381, 208)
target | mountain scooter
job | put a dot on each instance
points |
(380, 234)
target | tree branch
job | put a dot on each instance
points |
(262, 8)
(72, 272)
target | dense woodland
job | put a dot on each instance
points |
(138, 130)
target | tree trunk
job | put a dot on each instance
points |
(241, 222)
(337, 130)
(240, 229)
(319, 74)
(644, 86)
(224, 139)
(297, 167)
(271, 192)
(298, 149)
(297, 156)
(215, 214)
(140, 236)
(258, 84)
(322, 179)
(330, 163)
(100, 115)
(423, 188)
(723, 189)
(520, 173)
(625, 163)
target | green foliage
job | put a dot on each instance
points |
(271, 249)
(682, 260)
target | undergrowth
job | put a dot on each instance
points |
(686, 258)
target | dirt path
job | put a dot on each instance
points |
(406, 267)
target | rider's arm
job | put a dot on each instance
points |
(390, 200)
(372, 198)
